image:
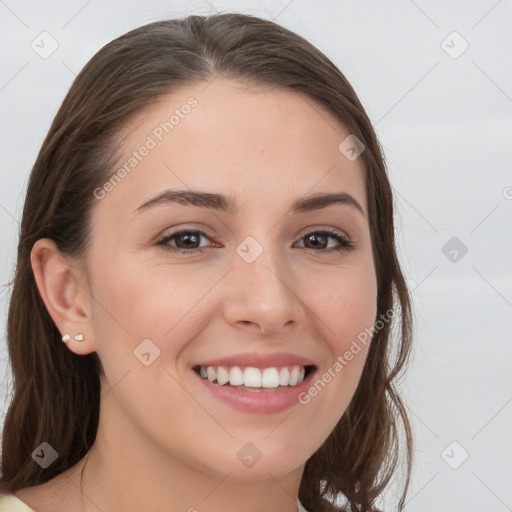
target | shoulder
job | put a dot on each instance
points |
(11, 503)
(55, 494)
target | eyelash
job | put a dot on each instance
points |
(345, 244)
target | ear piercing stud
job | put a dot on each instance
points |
(76, 337)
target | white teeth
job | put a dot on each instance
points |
(211, 373)
(294, 376)
(254, 377)
(236, 376)
(270, 378)
(222, 376)
(284, 377)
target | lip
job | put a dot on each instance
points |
(258, 360)
(257, 402)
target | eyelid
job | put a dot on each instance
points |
(174, 230)
(319, 228)
(305, 231)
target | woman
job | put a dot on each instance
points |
(206, 285)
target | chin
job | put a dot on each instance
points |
(260, 459)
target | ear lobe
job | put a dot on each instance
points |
(65, 298)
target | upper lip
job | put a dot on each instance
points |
(259, 360)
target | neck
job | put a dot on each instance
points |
(122, 472)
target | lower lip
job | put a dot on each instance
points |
(260, 402)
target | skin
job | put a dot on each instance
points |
(163, 443)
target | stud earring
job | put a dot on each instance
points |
(76, 337)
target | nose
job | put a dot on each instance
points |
(261, 296)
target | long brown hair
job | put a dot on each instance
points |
(56, 394)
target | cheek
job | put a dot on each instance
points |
(154, 303)
(346, 303)
(346, 313)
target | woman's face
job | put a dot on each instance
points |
(268, 288)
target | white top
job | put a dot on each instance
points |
(10, 503)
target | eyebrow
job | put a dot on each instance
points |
(229, 204)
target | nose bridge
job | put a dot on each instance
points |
(261, 286)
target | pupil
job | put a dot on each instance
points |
(314, 238)
(189, 239)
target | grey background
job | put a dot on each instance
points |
(445, 124)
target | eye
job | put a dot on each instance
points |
(318, 241)
(187, 241)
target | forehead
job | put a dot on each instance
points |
(259, 142)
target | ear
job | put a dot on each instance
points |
(63, 290)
